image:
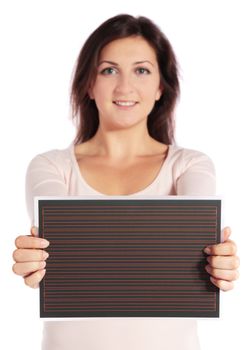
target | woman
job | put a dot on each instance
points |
(124, 93)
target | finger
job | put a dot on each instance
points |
(25, 268)
(34, 231)
(226, 232)
(31, 242)
(26, 255)
(223, 285)
(34, 279)
(224, 262)
(227, 275)
(227, 248)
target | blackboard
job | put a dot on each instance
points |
(114, 257)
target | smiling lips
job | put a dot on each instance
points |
(125, 103)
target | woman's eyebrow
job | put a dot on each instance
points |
(116, 64)
(109, 62)
(146, 61)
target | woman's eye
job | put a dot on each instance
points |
(108, 71)
(143, 71)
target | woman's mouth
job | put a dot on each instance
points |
(125, 103)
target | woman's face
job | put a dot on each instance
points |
(127, 83)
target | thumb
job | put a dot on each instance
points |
(34, 231)
(226, 232)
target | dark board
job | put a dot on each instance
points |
(128, 257)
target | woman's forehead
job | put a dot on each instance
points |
(134, 48)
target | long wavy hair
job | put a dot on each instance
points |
(160, 121)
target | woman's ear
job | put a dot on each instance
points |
(159, 93)
(90, 93)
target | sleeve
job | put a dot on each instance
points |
(43, 178)
(197, 176)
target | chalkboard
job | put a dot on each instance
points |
(124, 257)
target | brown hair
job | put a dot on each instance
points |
(160, 121)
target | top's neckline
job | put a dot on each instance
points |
(146, 189)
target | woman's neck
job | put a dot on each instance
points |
(122, 144)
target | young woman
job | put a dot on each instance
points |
(124, 93)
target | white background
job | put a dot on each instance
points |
(40, 41)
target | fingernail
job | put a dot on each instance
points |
(207, 267)
(213, 280)
(34, 230)
(44, 243)
(45, 255)
(207, 250)
(42, 264)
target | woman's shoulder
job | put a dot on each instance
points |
(57, 158)
(186, 158)
(193, 172)
(187, 154)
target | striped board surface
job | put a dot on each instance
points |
(124, 257)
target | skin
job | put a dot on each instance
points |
(127, 71)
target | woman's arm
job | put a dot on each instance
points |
(198, 178)
(44, 177)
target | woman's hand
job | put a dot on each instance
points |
(30, 258)
(223, 262)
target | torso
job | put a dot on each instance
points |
(121, 177)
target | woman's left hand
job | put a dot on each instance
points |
(223, 262)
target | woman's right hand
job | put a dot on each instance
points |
(30, 258)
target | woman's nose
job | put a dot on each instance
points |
(124, 84)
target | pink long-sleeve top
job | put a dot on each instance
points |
(56, 173)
